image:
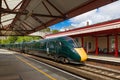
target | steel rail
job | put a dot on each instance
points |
(88, 71)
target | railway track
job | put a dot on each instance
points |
(113, 74)
(91, 72)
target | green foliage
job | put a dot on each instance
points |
(55, 31)
(46, 30)
(12, 39)
(8, 40)
(27, 39)
(18, 39)
(49, 30)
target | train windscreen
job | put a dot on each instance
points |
(73, 42)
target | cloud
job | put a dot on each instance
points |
(81, 24)
(112, 10)
(98, 15)
(102, 14)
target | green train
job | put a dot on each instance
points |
(63, 49)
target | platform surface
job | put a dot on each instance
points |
(14, 66)
(105, 58)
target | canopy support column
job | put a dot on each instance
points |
(96, 44)
(107, 44)
(82, 41)
(116, 45)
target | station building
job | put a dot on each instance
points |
(98, 39)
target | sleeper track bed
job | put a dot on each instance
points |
(90, 72)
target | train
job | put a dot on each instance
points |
(63, 49)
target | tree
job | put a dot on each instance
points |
(46, 30)
(27, 38)
(12, 39)
(55, 31)
(18, 39)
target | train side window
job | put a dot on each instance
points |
(41, 44)
(51, 45)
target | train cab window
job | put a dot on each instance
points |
(73, 43)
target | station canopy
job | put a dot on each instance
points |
(22, 17)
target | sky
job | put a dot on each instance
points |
(105, 13)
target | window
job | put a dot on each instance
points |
(74, 43)
(51, 45)
(112, 43)
(89, 45)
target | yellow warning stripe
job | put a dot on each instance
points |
(82, 53)
(36, 68)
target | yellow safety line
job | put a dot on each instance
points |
(36, 68)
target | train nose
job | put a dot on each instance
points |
(82, 53)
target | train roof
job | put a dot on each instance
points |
(59, 38)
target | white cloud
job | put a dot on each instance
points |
(82, 23)
(105, 13)
(112, 9)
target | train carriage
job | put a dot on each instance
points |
(63, 49)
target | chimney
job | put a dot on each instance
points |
(87, 23)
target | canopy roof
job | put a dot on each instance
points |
(22, 17)
(107, 28)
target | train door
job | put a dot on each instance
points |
(58, 47)
(51, 48)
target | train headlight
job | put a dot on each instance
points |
(74, 50)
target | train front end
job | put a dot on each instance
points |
(77, 53)
(81, 52)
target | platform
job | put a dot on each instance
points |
(14, 66)
(105, 58)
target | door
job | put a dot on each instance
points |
(51, 48)
(58, 47)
